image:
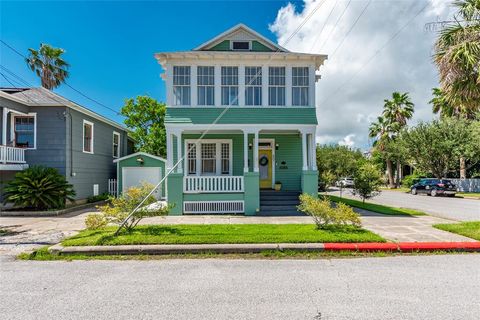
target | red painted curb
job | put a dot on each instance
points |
(403, 246)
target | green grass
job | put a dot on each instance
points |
(222, 233)
(401, 189)
(467, 229)
(377, 207)
(468, 194)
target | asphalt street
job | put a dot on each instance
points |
(443, 207)
(403, 287)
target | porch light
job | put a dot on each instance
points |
(250, 146)
(276, 146)
(140, 160)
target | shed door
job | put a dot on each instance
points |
(133, 177)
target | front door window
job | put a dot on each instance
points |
(265, 168)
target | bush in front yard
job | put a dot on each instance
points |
(119, 208)
(39, 188)
(324, 214)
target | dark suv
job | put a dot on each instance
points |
(434, 187)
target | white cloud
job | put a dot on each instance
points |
(404, 65)
(347, 141)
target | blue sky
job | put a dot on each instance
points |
(110, 45)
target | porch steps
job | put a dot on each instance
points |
(279, 203)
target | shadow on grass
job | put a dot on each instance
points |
(139, 232)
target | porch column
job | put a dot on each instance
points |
(178, 134)
(245, 151)
(314, 150)
(169, 150)
(255, 152)
(304, 150)
(4, 126)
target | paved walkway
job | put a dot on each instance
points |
(33, 232)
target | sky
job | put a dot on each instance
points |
(374, 48)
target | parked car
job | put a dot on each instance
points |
(345, 183)
(434, 187)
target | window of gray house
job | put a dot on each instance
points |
(181, 85)
(229, 86)
(87, 136)
(253, 86)
(116, 144)
(300, 86)
(24, 131)
(206, 86)
(276, 86)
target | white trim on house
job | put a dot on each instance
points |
(115, 133)
(83, 137)
(23, 115)
(136, 154)
(223, 36)
(198, 154)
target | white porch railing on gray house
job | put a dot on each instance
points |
(467, 185)
(12, 154)
(213, 184)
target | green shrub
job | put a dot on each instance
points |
(324, 214)
(39, 188)
(367, 181)
(411, 179)
(119, 208)
(101, 197)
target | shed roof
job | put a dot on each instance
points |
(136, 154)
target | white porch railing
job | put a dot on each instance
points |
(112, 187)
(212, 184)
(12, 154)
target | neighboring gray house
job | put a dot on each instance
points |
(39, 127)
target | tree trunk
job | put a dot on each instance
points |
(391, 184)
(399, 174)
(463, 168)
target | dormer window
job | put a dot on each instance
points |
(241, 45)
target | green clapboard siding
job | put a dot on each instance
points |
(222, 46)
(206, 115)
(225, 46)
(259, 47)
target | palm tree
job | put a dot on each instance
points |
(457, 56)
(48, 65)
(396, 113)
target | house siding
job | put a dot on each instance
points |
(85, 169)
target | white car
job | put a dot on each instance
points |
(345, 183)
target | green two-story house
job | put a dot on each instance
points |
(240, 119)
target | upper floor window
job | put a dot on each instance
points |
(240, 45)
(24, 131)
(116, 144)
(300, 86)
(87, 136)
(253, 86)
(181, 85)
(276, 86)
(229, 86)
(206, 86)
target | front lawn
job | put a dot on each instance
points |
(467, 229)
(222, 233)
(376, 207)
(468, 194)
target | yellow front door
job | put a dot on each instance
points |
(265, 168)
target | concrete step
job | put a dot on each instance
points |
(279, 193)
(278, 202)
(278, 208)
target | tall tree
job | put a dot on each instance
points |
(396, 112)
(48, 64)
(145, 118)
(457, 56)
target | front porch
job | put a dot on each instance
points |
(224, 171)
(12, 151)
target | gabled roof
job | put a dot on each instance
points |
(245, 33)
(140, 154)
(41, 97)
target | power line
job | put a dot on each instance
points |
(323, 27)
(376, 53)
(68, 85)
(351, 28)
(336, 23)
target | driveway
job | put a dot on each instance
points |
(443, 207)
(402, 287)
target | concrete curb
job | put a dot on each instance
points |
(161, 249)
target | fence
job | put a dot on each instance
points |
(112, 187)
(467, 185)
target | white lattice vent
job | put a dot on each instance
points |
(216, 207)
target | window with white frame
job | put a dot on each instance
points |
(192, 158)
(206, 86)
(87, 136)
(300, 86)
(276, 86)
(24, 131)
(253, 86)
(181, 85)
(116, 145)
(229, 86)
(209, 157)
